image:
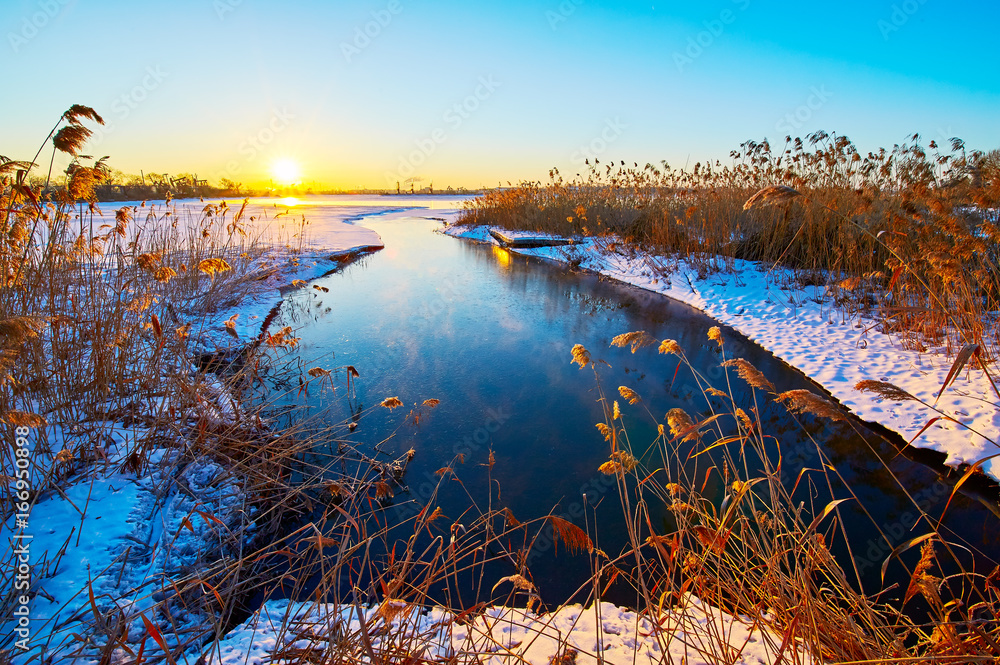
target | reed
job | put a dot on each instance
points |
(906, 236)
(102, 326)
(763, 553)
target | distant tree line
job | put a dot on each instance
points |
(115, 185)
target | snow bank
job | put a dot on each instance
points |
(118, 533)
(694, 633)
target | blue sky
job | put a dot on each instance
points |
(465, 94)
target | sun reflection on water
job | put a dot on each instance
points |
(503, 258)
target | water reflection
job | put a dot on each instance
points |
(503, 257)
(489, 332)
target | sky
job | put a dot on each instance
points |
(370, 93)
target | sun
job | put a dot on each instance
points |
(286, 171)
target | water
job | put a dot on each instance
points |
(489, 334)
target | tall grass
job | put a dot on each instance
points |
(907, 235)
(102, 329)
(763, 553)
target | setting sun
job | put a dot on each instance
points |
(286, 172)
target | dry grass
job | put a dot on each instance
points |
(766, 556)
(908, 236)
(102, 328)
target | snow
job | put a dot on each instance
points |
(115, 534)
(692, 633)
(801, 326)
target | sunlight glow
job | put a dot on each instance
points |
(285, 172)
(503, 258)
(290, 201)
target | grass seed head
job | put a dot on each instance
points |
(885, 390)
(680, 423)
(77, 111)
(16, 418)
(804, 401)
(581, 356)
(71, 139)
(770, 196)
(576, 539)
(636, 340)
(629, 394)
(20, 328)
(620, 462)
(750, 374)
(670, 346)
(213, 266)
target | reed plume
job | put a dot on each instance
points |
(629, 394)
(17, 329)
(884, 390)
(16, 418)
(574, 537)
(636, 340)
(671, 347)
(770, 196)
(680, 424)
(750, 374)
(804, 401)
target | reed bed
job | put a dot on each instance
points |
(906, 236)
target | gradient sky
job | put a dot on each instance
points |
(228, 87)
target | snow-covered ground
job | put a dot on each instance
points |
(695, 633)
(113, 537)
(802, 327)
